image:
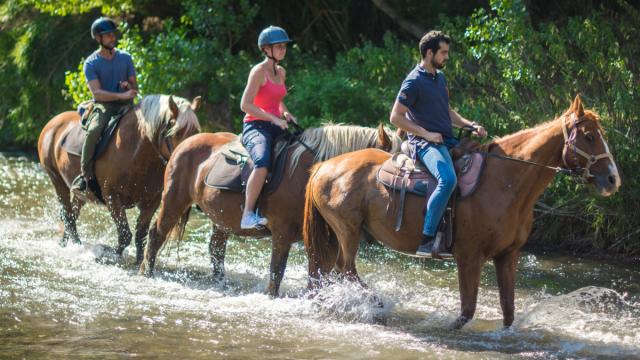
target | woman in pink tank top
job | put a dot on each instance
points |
(262, 101)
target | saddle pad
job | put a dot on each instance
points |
(230, 169)
(225, 173)
(469, 168)
(73, 140)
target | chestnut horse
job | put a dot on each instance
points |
(344, 199)
(184, 185)
(129, 172)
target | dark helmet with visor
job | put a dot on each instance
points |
(273, 35)
(103, 25)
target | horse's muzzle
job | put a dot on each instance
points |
(607, 184)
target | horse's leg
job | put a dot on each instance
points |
(69, 211)
(142, 227)
(174, 205)
(217, 251)
(506, 274)
(280, 247)
(469, 280)
(349, 243)
(119, 216)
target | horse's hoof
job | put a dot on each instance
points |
(271, 292)
(380, 320)
(139, 261)
(377, 302)
(459, 323)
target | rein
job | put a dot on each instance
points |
(578, 173)
(296, 136)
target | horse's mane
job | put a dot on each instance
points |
(511, 140)
(156, 115)
(332, 140)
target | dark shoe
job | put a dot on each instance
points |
(433, 247)
(79, 184)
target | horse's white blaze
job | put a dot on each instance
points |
(613, 168)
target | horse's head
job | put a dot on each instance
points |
(586, 151)
(183, 122)
(168, 120)
(388, 140)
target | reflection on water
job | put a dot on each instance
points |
(74, 303)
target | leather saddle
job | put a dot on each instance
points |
(73, 139)
(401, 173)
(232, 166)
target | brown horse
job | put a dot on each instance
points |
(343, 199)
(184, 185)
(129, 172)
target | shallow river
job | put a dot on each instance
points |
(78, 302)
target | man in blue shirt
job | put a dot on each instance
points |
(422, 110)
(111, 78)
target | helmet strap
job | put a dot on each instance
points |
(275, 61)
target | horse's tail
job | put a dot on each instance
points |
(319, 240)
(177, 231)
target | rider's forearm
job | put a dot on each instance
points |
(283, 109)
(458, 120)
(102, 95)
(133, 83)
(401, 122)
(257, 112)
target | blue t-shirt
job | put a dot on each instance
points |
(427, 98)
(109, 72)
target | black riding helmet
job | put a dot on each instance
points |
(103, 25)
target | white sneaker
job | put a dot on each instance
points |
(252, 221)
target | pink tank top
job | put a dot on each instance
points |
(268, 98)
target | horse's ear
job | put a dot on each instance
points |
(174, 108)
(384, 142)
(195, 104)
(576, 107)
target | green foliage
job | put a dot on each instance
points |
(509, 75)
(506, 71)
(69, 7)
(360, 88)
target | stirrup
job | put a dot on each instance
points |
(79, 184)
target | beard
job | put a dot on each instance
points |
(437, 65)
(109, 45)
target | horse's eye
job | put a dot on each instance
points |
(590, 138)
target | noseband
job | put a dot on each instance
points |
(572, 149)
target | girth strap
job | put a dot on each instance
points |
(403, 193)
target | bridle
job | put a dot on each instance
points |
(580, 174)
(571, 149)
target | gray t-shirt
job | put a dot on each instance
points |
(109, 72)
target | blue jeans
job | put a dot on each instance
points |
(258, 137)
(437, 159)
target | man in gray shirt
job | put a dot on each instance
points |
(111, 78)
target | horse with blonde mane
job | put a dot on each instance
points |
(129, 173)
(185, 185)
(491, 224)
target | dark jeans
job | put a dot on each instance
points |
(258, 137)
